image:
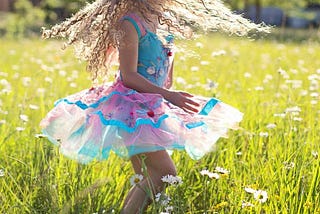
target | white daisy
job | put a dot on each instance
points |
(173, 180)
(222, 170)
(210, 174)
(169, 209)
(271, 126)
(20, 129)
(194, 68)
(249, 190)
(218, 53)
(135, 179)
(315, 154)
(24, 117)
(40, 136)
(263, 134)
(246, 204)
(293, 109)
(162, 198)
(261, 196)
(33, 107)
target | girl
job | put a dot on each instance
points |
(138, 115)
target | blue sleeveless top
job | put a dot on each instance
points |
(153, 56)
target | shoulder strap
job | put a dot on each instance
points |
(136, 23)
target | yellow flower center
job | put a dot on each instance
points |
(136, 180)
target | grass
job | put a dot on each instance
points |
(276, 85)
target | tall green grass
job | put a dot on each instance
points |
(276, 86)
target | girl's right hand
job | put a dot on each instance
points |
(183, 101)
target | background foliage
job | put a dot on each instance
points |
(26, 17)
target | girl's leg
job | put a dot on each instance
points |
(158, 164)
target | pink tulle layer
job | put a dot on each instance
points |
(91, 123)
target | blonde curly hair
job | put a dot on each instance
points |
(95, 30)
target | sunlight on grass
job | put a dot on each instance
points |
(270, 166)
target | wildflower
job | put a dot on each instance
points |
(24, 117)
(239, 153)
(169, 209)
(271, 126)
(293, 109)
(194, 68)
(295, 83)
(33, 107)
(40, 135)
(73, 85)
(247, 75)
(282, 115)
(26, 81)
(299, 119)
(162, 198)
(15, 67)
(246, 204)
(288, 165)
(181, 80)
(315, 154)
(2, 173)
(62, 73)
(222, 170)
(303, 93)
(283, 73)
(218, 53)
(249, 190)
(199, 45)
(3, 122)
(20, 129)
(210, 174)
(264, 134)
(259, 88)
(182, 58)
(48, 79)
(157, 197)
(3, 112)
(173, 180)
(261, 196)
(268, 77)
(204, 63)
(41, 90)
(313, 88)
(210, 84)
(135, 179)
(3, 74)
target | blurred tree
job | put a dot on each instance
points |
(24, 20)
(240, 4)
(58, 10)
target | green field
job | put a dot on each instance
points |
(275, 84)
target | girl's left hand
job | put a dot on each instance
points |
(183, 101)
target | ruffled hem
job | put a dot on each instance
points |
(89, 124)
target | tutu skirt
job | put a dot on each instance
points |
(91, 123)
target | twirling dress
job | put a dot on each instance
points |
(91, 123)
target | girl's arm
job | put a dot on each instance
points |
(128, 56)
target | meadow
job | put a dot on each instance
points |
(271, 165)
